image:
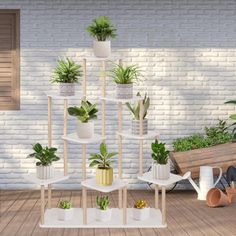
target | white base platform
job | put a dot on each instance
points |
(51, 221)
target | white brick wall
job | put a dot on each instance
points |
(186, 49)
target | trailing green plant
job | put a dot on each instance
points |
(67, 71)
(87, 111)
(64, 204)
(102, 160)
(103, 202)
(125, 74)
(159, 152)
(44, 155)
(135, 109)
(141, 204)
(102, 29)
(213, 136)
(232, 117)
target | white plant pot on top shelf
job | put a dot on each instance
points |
(161, 172)
(102, 49)
(85, 130)
(141, 214)
(67, 89)
(136, 127)
(44, 172)
(65, 214)
(103, 215)
(124, 91)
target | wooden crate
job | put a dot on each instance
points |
(222, 155)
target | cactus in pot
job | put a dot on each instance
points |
(65, 210)
(103, 212)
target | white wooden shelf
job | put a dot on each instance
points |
(105, 59)
(91, 184)
(74, 138)
(57, 177)
(51, 220)
(128, 134)
(112, 98)
(56, 95)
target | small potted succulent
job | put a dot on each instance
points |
(124, 77)
(85, 115)
(65, 210)
(141, 210)
(135, 110)
(103, 212)
(161, 164)
(102, 30)
(102, 160)
(45, 156)
(67, 73)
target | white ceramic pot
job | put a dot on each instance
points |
(102, 48)
(141, 214)
(65, 214)
(124, 91)
(136, 127)
(103, 215)
(67, 89)
(161, 171)
(85, 130)
(44, 172)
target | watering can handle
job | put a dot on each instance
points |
(219, 177)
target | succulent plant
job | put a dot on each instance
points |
(159, 152)
(140, 204)
(64, 204)
(103, 202)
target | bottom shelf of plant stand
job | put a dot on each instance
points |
(51, 219)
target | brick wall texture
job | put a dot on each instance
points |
(185, 48)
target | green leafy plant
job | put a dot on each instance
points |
(67, 71)
(102, 29)
(102, 160)
(102, 202)
(64, 204)
(87, 111)
(135, 109)
(159, 152)
(140, 204)
(125, 74)
(44, 155)
(232, 117)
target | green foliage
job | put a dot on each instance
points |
(232, 117)
(103, 159)
(87, 111)
(135, 109)
(67, 71)
(103, 202)
(213, 136)
(102, 29)
(64, 204)
(159, 152)
(125, 74)
(44, 155)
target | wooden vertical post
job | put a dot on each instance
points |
(84, 79)
(49, 196)
(83, 161)
(65, 141)
(156, 197)
(163, 204)
(42, 204)
(49, 121)
(103, 77)
(141, 140)
(125, 205)
(84, 202)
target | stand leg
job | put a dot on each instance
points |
(120, 150)
(156, 197)
(141, 141)
(125, 206)
(49, 196)
(84, 199)
(163, 195)
(49, 121)
(42, 204)
(84, 79)
(83, 161)
(65, 141)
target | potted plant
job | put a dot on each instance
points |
(160, 165)
(65, 210)
(102, 160)
(141, 210)
(85, 115)
(102, 30)
(67, 73)
(135, 110)
(124, 77)
(232, 117)
(103, 212)
(45, 156)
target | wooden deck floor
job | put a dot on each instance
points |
(20, 211)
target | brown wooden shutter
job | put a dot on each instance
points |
(9, 59)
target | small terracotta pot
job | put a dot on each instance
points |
(216, 198)
(231, 193)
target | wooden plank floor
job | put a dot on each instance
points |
(186, 216)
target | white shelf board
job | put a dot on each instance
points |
(128, 134)
(147, 177)
(112, 98)
(56, 95)
(51, 220)
(57, 177)
(91, 184)
(74, 138)
(94, 58)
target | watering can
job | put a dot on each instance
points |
(206, 180)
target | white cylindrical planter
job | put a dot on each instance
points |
(161, 171)
(44, 172)
(141, 214)
(67, 89)
(136, 126)
(103, 215)
(85, 130)
(102, 48)
(65, 214)
(124, 91)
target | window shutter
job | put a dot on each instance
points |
(9, 60)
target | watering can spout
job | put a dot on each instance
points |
(187, 175)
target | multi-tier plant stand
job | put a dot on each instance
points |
(85, 217)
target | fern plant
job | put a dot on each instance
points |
(102, 29)
(103, 202)
(159, 152)
(67, 71)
